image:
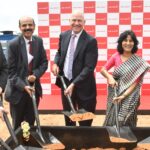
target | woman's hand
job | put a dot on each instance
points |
(118, 99)
(112, 82)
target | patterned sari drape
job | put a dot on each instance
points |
(126, 74)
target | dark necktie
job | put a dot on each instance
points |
(31, 63)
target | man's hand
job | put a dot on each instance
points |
(55, 69)
(69, 89)
(1, 112)
(31, 78)
(29, 90)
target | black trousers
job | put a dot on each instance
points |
(78, 104)
(23, 111)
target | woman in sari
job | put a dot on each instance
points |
(129, 70)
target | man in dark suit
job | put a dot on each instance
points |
(3, 77)
(80, 78)
(27, 62)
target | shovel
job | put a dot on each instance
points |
(18, 146)
(5, 145)
(79, 115)
(11, 131)
(120, 134)
(145, 144)
(48, 141)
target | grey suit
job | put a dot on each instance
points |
(17, 74)
(85, 59)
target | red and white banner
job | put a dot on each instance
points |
(105, 20)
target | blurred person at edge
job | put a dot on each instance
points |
(81, 85)
(3, 78)
(127, 78)
(27, 62)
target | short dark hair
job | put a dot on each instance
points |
(123, 36)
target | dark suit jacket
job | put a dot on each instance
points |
(18, 67)
(3, 70)
(85, 60)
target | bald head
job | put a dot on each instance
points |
(27, 26)
(77, 13)
(77, 21)
(26, 18)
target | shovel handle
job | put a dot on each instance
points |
(37, 116)
(10, 128)
(116, 112)
(11, 131)
(5, 145)
(68, 96)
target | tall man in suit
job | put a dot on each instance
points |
(27, 62)
(80, 80)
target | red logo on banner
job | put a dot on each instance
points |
(54, 19)
(146, 18)
(65, 28)
(139, 52)
(113, 30)
(89, 7)
(146, 43)
(113, 6)
(137, 6)
(101, 89)
(48, 54)
(54, 43)
(101, 18)
(90, 30)
(43, 31)
(66, 7)
(138, 29)
(125, 18)
(102, 42)
(43, 7)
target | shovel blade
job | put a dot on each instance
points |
(125, 135)
(145, 144)
(51, 142)
(32, 148)
(4, 145)
(20, 147)
(79, 115)
(73, 116)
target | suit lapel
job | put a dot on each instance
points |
(24, 52)
(66, 44)
(34, 50)
(80, 44)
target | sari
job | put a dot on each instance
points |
(126, 74)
